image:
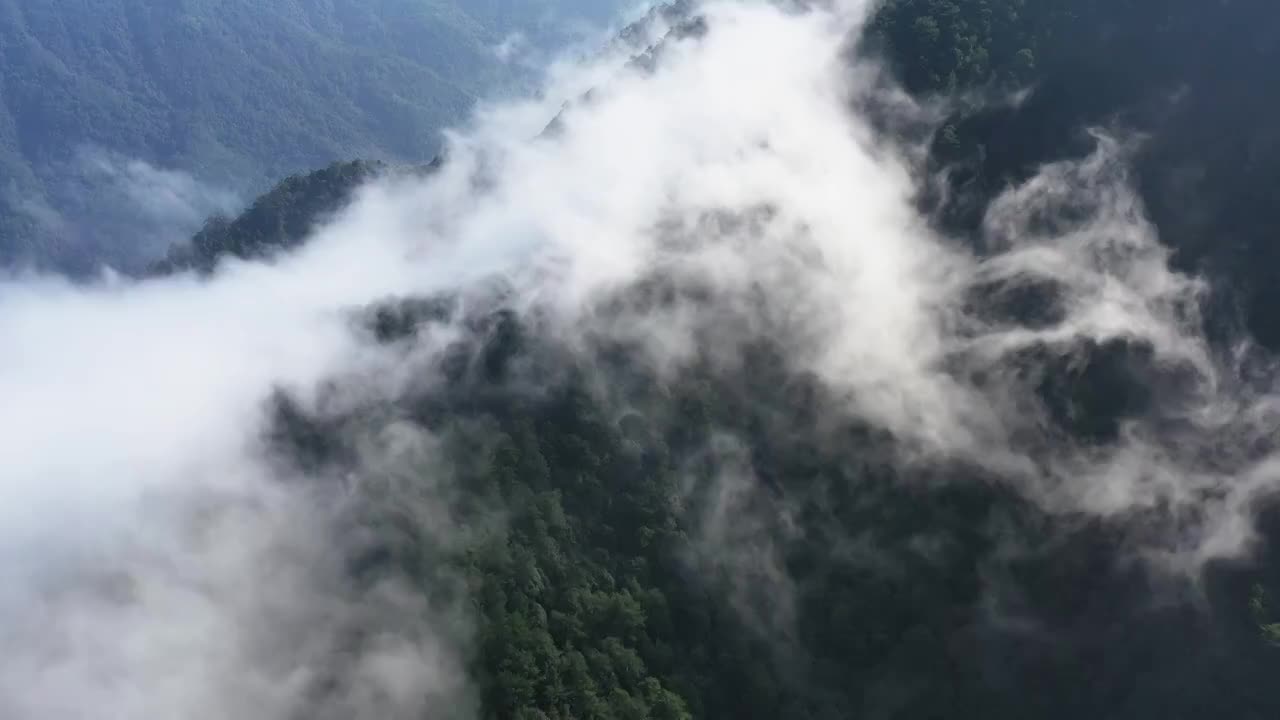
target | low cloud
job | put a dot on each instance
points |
(102, 208)
(168, 199)
(512, 47)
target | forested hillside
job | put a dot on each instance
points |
(235, 94)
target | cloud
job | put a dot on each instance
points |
(102, 208)
(160, 561)
(153, 550)
(131, 210)
(44, 215)
(170, 199)
(512, 47)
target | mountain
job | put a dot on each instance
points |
(283, 218)
(277, 221)
(587, 603)
(226, 97)
(814, 365)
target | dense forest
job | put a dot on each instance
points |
(1182, 78)
(732, 539)
(618, 587)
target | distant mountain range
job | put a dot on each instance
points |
(125, 122)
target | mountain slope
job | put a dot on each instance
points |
(236, 94)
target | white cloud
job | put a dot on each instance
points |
(512, 47)
(171, 199)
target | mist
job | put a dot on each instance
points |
(164, 559)
(101, 209)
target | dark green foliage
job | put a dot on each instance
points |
(1260, 607)
(952, 44)
(279, 220)
(284, 218)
